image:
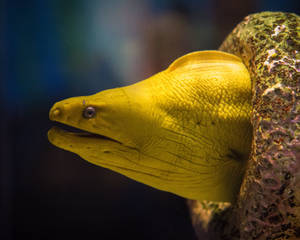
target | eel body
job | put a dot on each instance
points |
(188, 130)
(185, 130)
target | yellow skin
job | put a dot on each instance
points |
(185, 130)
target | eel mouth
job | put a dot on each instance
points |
(76, 132)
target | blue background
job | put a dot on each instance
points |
(54, 49)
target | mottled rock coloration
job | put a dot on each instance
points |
(268, 206)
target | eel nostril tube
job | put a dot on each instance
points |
(54, 113)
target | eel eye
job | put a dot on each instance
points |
(89, 112)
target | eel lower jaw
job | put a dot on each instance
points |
(72, 132)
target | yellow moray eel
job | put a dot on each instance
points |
(185, 130)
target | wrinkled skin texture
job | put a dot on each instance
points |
(185, 130)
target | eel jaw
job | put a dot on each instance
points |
(78, 141)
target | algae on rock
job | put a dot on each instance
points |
(268, 206)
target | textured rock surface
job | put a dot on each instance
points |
(268, 206)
